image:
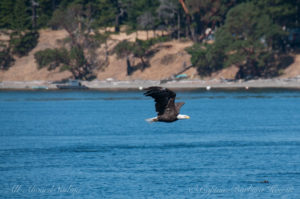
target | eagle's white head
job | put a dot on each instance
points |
(182, 117)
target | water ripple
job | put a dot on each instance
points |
(106, 148)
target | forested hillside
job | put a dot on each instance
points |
(258, 37)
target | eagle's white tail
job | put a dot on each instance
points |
(153, 119)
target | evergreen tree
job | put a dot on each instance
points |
(207, 14)
(170, 15)
(107, 11)
(77, 21)
(135, 9)
(283, 12)
(248, 40)
(6, 13)
(21, 20)
(45, 10)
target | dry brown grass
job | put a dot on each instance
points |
(167, 61)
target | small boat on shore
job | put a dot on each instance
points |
(71, 84)
(39, 88)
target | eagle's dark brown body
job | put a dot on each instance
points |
(165, 106)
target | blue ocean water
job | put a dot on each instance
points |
(95, 144)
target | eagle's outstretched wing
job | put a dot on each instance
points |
(164, 98)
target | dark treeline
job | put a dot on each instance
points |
(254, 35)
(184, 18)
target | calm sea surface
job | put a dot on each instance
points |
(93, 144)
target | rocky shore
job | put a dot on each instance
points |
(292, 83)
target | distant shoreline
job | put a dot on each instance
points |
(290, 83)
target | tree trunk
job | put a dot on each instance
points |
(117, 19)
(240, 73)
(147, 34)
(106, 52)
(106, 49)
(33, 7)
(194, 35)
(143, 62)
(117, 23)
(129, 68)
(187, 27)
(193, 30)
(178, 25)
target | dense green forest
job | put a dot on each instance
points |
(254, 35)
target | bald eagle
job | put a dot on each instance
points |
(166, 108)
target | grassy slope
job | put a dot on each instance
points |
(167, 61)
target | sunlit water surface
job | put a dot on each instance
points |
(94, 144)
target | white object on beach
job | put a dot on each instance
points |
(140, 88)
(208, 88)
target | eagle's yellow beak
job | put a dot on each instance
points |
(187, 117)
